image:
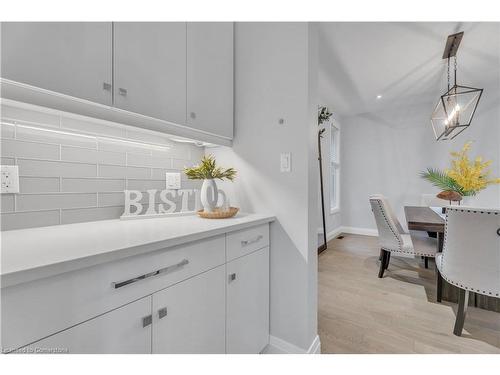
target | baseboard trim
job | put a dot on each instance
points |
(357, 230)
(333, 234)
(315, 347)
(351, 230)
(289, 348)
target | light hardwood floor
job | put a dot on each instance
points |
(360, 313)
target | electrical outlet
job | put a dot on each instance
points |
(285, 162)
(10, 179)
(173, 181)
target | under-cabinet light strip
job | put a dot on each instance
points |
(114, 139)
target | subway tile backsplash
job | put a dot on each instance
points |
(74, 169)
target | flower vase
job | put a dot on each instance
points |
(209, 195)
(469, 201)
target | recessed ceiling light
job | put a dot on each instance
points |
(379, 96)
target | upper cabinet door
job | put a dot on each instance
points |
(210, 77)
(150, 69)
(72, 58)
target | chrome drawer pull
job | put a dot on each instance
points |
(249, 242)
(119, 284)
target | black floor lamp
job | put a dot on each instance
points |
(323, 115)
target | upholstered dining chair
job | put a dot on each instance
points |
(393, 239)
(471, 255)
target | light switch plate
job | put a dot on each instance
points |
(285, 162)
(173, 181)
(10, 179)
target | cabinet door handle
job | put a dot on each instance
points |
(162, 313)
(147, 320)
(232, 277)
(106, 86)
(119, 284)
(249, 242)
(122, 91)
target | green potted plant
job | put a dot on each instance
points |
(208, 171)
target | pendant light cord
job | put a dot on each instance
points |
(455, 71)
(448, 73)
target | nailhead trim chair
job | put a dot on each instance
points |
(471, 255)
(393, 239)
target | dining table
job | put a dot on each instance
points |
(432, 220)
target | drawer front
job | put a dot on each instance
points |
(246, 241)
(34, 310)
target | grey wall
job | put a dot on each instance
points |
(275, 77)
(74, 168)
(387, 142)
(386, 157)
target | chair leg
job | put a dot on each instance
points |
(439, 286)
(388, 260)
(381, 255)
(382, 264)
(426, 262)
(463, 301)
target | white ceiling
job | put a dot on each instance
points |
(402, 62)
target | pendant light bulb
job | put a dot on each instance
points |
(453, 114)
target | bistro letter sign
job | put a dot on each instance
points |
(135, 201)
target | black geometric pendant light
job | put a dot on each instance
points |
(456, 107)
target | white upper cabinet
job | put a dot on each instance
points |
(72, 58)
(150, 69)
(210, 77)
(177, 72)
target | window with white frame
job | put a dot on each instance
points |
(334, 168)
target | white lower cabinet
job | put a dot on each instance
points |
(247, 305)
(192, 298)
(124, 330)
(189, 317)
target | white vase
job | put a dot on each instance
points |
(470, 201)
(209, 195)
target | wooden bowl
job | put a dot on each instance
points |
(448, 195)
(218, 213)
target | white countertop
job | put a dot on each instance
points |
(30, 254)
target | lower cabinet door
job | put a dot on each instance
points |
(247, 320)
(124, 330)
(189, 317)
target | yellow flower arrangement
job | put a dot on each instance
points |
(472, 176)
(466, 177)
